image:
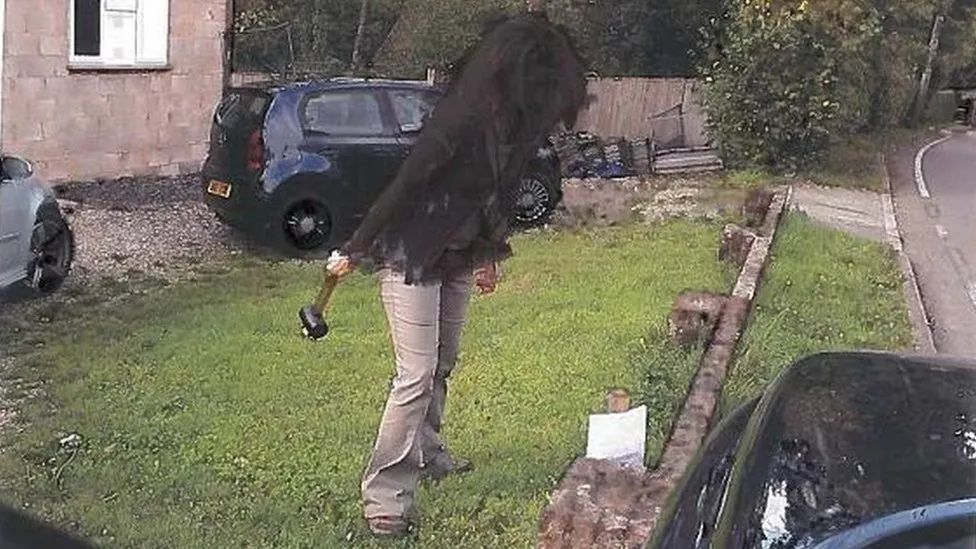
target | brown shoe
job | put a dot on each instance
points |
(388, 527)
(444, 465)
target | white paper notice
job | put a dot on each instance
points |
(618, 437)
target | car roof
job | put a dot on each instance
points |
(275, 88)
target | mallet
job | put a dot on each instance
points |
(313, 316)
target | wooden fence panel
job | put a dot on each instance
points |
(663, 108)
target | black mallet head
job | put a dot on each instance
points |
(313, 324)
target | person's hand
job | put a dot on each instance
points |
(339, 265)
(486, 279)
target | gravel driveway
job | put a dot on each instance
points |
(133, 233)
(135, 226)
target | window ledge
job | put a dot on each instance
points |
(103, 67)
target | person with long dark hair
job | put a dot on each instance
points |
(441, 228)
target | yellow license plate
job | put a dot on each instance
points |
(219, 188)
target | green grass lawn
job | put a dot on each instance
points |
(206, 421)
(823, 291)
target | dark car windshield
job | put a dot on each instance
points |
(851, 438)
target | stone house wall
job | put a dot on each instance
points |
(78, 124)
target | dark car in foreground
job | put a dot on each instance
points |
(301, 164)
(852, 450)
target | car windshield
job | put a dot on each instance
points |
(841, 445)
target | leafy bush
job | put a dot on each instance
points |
(783, 76)
(771, 87)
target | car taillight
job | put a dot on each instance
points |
(255, 152)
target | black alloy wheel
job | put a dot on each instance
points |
(533, 201)
(307, 225)
(52, 250)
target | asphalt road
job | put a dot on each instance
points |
(939, 232)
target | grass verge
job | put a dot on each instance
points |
(206, 421)
(850, 162)
(823, 291)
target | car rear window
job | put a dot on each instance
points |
(343, 112)
(241, 109)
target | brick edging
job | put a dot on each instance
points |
(602, 505)
(696, 416)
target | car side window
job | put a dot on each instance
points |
(347, 112)
(13, 168)
(412, 107)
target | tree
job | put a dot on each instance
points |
(358, 43)
(611, 36)
(435, 33)
(782, 77)
(326, 35)
(957, 61)
(938, 23)
(673, 34)
(770, 85)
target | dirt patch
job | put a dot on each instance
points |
(610, 202)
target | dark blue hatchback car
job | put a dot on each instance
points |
(301, 164)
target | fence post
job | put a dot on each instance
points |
(227, 46)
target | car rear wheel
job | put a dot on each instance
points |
(52, 250)
(305, 225)
(534, 200)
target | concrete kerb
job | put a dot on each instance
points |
(918, 316)
(588, 508)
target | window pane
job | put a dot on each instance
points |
(88, 23)
(153, 31)
(344, 113)
(119, 37)
(412, 107)
(120, 5)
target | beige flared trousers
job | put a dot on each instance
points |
(425, 323)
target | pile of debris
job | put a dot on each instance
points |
(584, 155)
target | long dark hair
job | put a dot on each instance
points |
(509, 92)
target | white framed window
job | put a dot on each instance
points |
(119, 33)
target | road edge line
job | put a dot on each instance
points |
(923, 189)
(918, 316)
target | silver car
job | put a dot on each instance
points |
(36, 243)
